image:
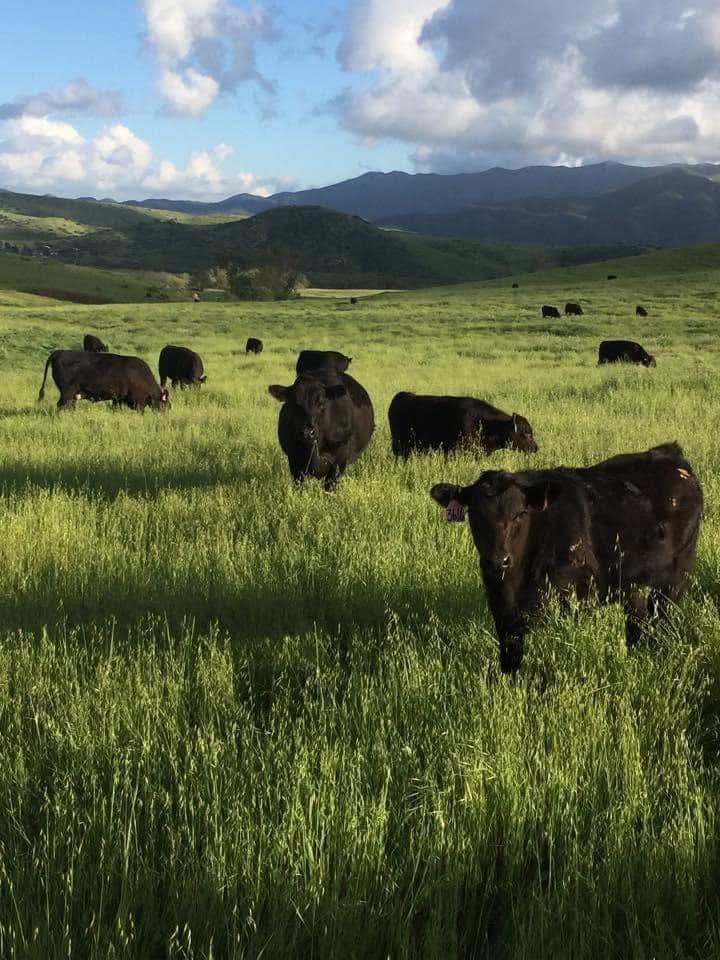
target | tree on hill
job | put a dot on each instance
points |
(273, 276)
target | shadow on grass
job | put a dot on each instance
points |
(108, 480)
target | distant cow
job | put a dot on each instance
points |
(612, 351)
(640, 311)
(548, 311)
(612, 276)
(253, 345)
(181, 366)
(353, 299)
(573, 309)
(419, 423)
(629, 522)
(93, 344)
(326, 421)
(515, 286)
(322, 360)
(80, 375)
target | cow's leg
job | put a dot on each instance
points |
(332, 476)
(510, 626)
(68, 397)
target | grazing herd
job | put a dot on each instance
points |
(623, 530)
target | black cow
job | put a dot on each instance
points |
(611, 351)
(548, 311)
(515, 286)
(322, 360)
(607, 530)
(640, 311)
(445, 423)
(181, 366)
(253, 345)
(353, 299)
(93, 344)
(612, 276)
(573, 309)
(80, 375)
(325, 423)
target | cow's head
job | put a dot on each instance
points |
(649, 360)
(306, 401)
(515, 432)
(500, 506)
(162, 402)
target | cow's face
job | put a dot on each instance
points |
(162, 402)
(306, 402)
(514, 432)
(522, 436)
(648, 360)
(500, 506)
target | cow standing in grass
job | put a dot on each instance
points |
(181, 366)
(80, 375)
(425, 422)
(607, 530)
(326, 421)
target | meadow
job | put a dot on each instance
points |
(242, 720)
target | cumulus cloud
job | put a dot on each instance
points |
(469, 83)
(76, 98)
(39, 155)
(204, 48)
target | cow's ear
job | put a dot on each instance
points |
(443, 493)
(541, 495)
(280, 393)
(164, 396)
(335, 391)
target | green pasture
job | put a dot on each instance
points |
(242, 720)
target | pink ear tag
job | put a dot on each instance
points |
(455, 512)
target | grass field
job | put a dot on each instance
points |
(242, 720)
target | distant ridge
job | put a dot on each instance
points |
(378, 196)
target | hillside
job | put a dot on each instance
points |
(330, 248)
(673, 209)
(376, 196)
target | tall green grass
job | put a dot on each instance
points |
(239, 719)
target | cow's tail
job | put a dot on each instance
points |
(47, 364)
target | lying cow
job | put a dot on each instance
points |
(181, 366)
(548, 311)
(80, 375)
(573, 309)
(631, 521)
(612, 351)
(93, 344)
(446, 423)
(322, 360)
(253, 345)
(326, 421)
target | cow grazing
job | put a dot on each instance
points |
(640, 311)
(253, 345)
(322, 360)
(353, 299)
(607, 530)
(515, 286)
(181, 366)
(93, 344)
(80, 375)
(612, 276)
(612, 351)
(573, 309)
(326, 421)
(421, 423)
(548, 311)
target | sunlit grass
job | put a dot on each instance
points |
(241, 720)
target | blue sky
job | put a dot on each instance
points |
(205, 98)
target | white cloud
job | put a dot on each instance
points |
(204, 48)
(469, 84)
(40, 155)
(77, 97)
